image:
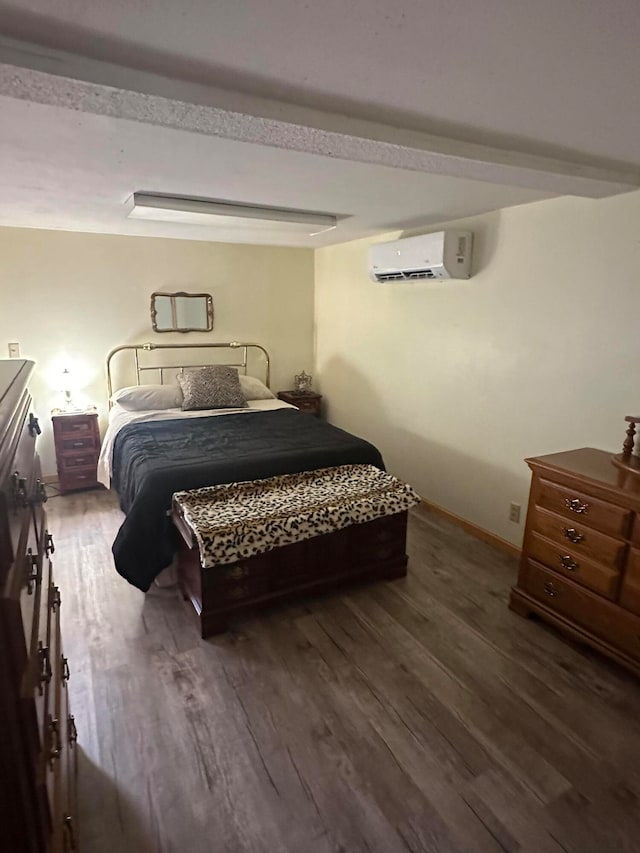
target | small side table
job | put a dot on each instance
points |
(308, 402)
(77, 442)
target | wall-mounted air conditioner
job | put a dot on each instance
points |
(430, 257)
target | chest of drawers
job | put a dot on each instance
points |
(580, 567)
(77, 442)
(37, 731)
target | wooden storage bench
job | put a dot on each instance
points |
(221, 524)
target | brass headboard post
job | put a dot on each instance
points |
(146, 347)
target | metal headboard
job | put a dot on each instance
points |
(141, 368)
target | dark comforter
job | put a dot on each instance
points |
(153, 460)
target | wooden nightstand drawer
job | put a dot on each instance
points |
(83, 478)
(76, 424)
(78, 460)
(309, 403)
(70, 445)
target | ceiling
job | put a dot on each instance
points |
(390, 115)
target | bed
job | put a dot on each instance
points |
(148, 455)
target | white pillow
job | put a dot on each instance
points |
(253, 389)
(139, 398)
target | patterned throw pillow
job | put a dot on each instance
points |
(215, 387)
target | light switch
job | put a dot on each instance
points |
(14, 350)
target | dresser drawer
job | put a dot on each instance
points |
(635, 530)
(66, 817)
(630, 591)
(39, 672)
(608, 621)
(603, 516)
(601, 579)
(33, 589)
(20, 595)
(70, 740)
(64, 789)
(70, 462)
(77, 443)
(54, 724)
(579, 538)
(17, 489)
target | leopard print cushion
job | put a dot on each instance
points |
(215, 387)
(239, 520)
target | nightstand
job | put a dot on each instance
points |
(77, 441)
(307, 402)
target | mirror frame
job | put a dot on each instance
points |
(209, 308)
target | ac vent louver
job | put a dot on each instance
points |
(414, 275)
(420, 274)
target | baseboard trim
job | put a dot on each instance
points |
(473, 529)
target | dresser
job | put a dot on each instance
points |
(37, 728)
(77, 442)
(580, 567)
(307, 401)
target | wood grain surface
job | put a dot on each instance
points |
(413, 715)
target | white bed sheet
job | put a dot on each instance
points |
(119, 418)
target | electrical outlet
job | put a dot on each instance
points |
(514, 513)
(14, 350)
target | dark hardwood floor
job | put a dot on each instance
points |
(416, 715)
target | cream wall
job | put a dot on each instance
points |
(457, 382)
(73, 297)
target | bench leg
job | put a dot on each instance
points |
(213, 624)
(398, 570)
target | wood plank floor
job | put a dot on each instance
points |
(417, 715)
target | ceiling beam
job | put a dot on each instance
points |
(44, 76)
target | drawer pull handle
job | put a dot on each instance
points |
(55, 600)
(572, 535)
(576, 505)
(72, 731)
(56, 744)
(40, 495)
(68, 825)
(34, 426)
(49, 545)
(44, 676)
(78, 444)
(19, 489)
(568, 563)
(66, 672)
(33, 571)
(550, 589)
(234, 593)
(237, 572)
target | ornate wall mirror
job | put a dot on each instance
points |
(181, 312)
